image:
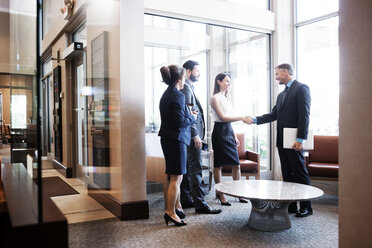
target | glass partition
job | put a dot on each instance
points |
(19, 92)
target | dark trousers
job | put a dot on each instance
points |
(294, 169)
(191, 186)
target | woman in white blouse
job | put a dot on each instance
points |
(224, 140)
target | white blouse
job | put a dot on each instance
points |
(226, 107)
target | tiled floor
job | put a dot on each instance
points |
(77, 207)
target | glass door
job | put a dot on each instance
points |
(80, 117)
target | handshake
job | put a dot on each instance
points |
(248, 120)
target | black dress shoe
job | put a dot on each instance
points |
(304, 212)
(188, 205)
(207, 210)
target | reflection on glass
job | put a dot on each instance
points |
(318, 67)
(308, 9)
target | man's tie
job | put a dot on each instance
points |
(284, 94)
(196, 99)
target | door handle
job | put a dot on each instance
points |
(95, 131)
(78, 109)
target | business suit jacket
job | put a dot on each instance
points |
(176, 118)
(294, 112)
(198, 128)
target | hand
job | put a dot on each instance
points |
(248, 120)
(237, 142)
(195, 114)
(297, 146)
(198, 143)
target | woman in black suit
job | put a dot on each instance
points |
(175, 132)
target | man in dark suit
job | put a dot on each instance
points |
(292, 110)
(192, 193)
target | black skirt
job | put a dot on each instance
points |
(224, 145)
(175, 154)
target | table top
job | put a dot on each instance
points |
(268, 190)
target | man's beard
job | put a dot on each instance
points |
(193, 78)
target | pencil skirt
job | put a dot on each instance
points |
(175, 154)
(224, 145)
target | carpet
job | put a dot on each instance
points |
(55, 186)
(228, 229)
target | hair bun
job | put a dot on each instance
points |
(165, 74)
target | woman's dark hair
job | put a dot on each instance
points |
(171, 74)
(219, 77)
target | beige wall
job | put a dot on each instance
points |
(355, 197)
(4, 42)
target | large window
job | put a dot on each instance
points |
(19, 110)
(248, 61)
(318, 61)
(243, 54)
(259, 4)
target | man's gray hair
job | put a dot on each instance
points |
(288, 67)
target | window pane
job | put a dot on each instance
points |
(19, 110)
(318, 67)
(248, 63)
(166, 54)
(259, 4)
(308, 9)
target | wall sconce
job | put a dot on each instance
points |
(69, 3)
(67, 9)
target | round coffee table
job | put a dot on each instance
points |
(270, 200)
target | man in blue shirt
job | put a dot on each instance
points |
(292, 110)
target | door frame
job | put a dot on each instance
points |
(78, 170)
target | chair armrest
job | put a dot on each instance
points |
(253, 156)
(307, 159)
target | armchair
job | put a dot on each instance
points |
(322, 162)
(249, 161)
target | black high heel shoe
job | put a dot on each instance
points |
(243, 200)
(180, 214)
(168, 218)
(226, 203)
